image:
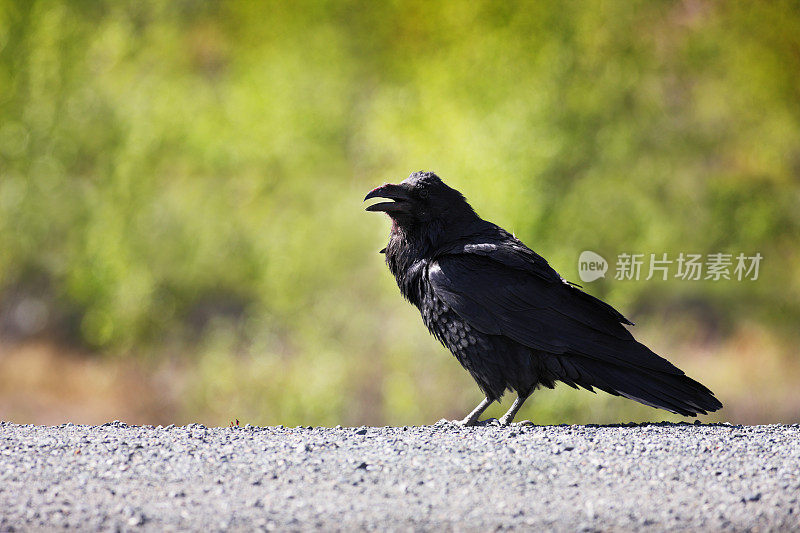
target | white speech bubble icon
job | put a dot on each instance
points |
(591, 266)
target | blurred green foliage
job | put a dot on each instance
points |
(186, 177)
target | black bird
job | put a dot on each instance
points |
(511, 320)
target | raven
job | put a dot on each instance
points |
(511, 320)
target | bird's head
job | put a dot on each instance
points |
(422, 203)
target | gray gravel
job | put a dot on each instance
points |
(662, 476)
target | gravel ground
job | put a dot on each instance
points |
(662, 476)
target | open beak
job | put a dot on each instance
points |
(397, 193)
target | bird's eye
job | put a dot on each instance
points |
(423, 194)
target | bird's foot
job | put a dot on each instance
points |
(501, 423)
(509, 422)
(461, 423)
(467, 422)
(485, 423)
(504, 421)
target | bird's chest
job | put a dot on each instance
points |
(412, 281)
(441, 320)
(432, 308)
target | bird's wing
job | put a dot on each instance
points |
(512, 253)
(500, 246)
(542, 314)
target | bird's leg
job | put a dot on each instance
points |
(507, 418)
(472, 418)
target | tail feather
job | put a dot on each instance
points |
(677, 393)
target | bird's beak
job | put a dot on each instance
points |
(398, 193)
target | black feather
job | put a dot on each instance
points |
(511, 320)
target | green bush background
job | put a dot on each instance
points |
(184, 179)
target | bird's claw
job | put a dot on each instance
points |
(444, 421)
(507, 423)
(481, 423)
(466, 422)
